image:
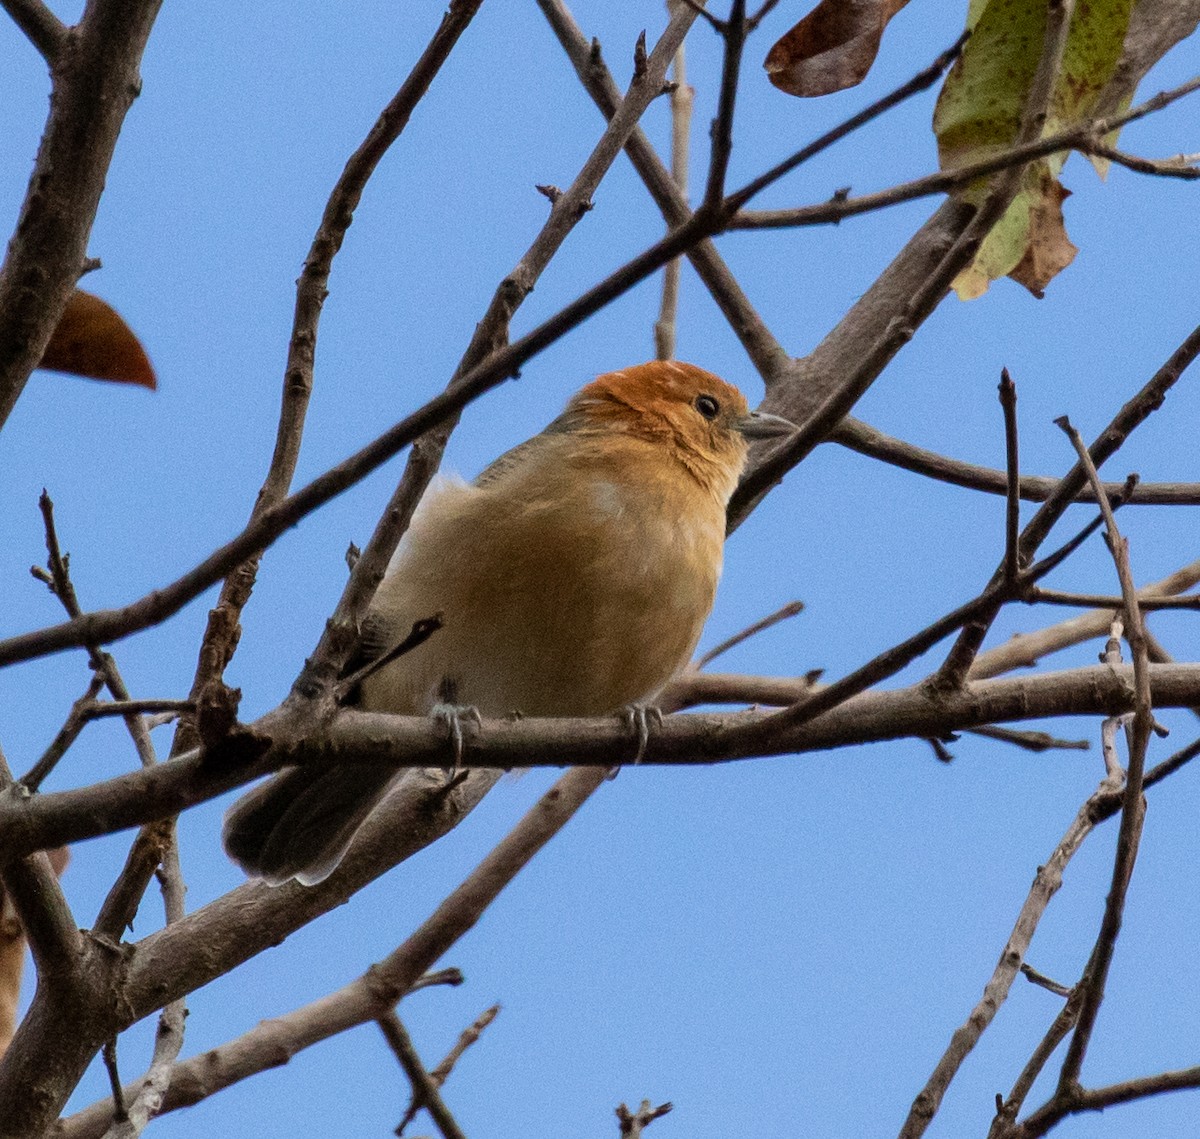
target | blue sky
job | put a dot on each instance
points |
(779, 947)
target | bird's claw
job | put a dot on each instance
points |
(453, 716)
(638, 718)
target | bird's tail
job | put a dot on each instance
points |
(299, 823)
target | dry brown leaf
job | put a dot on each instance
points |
(1049, 250)
(832, 48)
(92, 340)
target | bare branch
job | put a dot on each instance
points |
(48, 924)
(441, 1073)
(75, 722)
(1095, 975)
(1135, 412)
(866, 440)
(1083, 137)
(93, 89)
(1180, 166)
(681, 131)
(424, 1088)
(406, 741)
(734, 32)
(772, 619)
(177, 957)
(1046, 884)
(1026, 649)
(633, 1123)
(1012, 520)
(45, 30)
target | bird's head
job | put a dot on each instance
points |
(703, 420)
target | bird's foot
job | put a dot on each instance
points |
(454, 716)
(638, 718)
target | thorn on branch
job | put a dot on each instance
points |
(550, 191)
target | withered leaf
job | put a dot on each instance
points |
(832, 48)
(92, 340)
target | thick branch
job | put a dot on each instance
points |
(406, 741)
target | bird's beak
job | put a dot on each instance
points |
(763, 425)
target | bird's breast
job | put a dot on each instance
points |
(573, 596)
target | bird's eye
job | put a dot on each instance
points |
(707, 406)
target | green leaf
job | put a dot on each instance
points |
(979, 112)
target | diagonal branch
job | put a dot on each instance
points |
(222, 631)
(94, 86)
(45, 30)
(425, 1090)
(107, 625)
(1095, 974)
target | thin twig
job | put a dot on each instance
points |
(1098, 600)
(466, 1038)
(681, 132)
(1179, 167)
(1026, 649)
(441, 1073)
(772, 619)
(1030, 741)
(109, 1053)
(75, 722)
(1012, 517)
(861, 437)
(1008, 1109)
(424, 1089)
(633, 1123)
(102, 663)
(1043, 982)
(1046, 884)
(222, 630)
(1096, 973)
(892, 660)
(1135, 411)
(734, 32)
(838, 208)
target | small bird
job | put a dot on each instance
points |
(572, 577)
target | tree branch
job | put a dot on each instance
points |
(94, 86)
(45, 30)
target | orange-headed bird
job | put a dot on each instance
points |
(573, 578)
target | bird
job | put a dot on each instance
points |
(571, 578)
